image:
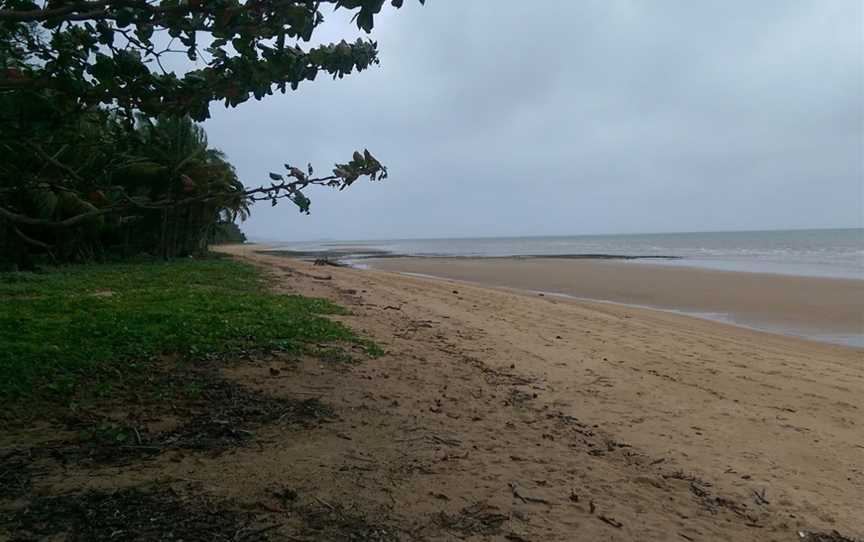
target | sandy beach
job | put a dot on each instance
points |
(576, 420)
(822, 308)
(481, 414)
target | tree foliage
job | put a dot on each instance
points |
(156, 188)
(100, 134)
(227, 233)
(110, 52)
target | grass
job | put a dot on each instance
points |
(85, 328)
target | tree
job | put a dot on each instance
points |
(227, 233)
(108, 52)
(83, 89)
(107, 167)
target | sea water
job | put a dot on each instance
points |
(837, 253)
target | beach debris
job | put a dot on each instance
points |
(333, 521)
(520, 494)
(254, 534)
(328, 261)
(286, 494)
(518, 397)
(445, 441)
(475, 519)
(232, 412)
(713, 503)
(760, 498)
(610, 521)
(574, 497)
(325, 503)
(833, 536)
(316, 277)
(133, 514)
(698, 490)
(15, 475)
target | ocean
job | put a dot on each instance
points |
(837, 253)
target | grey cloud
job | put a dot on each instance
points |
(502, 118)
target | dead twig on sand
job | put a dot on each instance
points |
(445, 441)
(519, 494)
(760, 497)
(610, 521)
(325, 503)
(316, 277)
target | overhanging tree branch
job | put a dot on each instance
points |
(81, 11)
(344, 175)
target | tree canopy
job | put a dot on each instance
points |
(110, 52)
(88, 109)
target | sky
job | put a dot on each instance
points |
(564, 117)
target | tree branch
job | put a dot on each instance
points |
(100, 10)
(344, 176)
(30, 240)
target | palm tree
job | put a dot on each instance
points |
(190, 170)
(169, 186)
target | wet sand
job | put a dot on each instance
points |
(819, 308)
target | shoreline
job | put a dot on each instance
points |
(703, 316)
(355, 258)
(826, 310)
(366, 254)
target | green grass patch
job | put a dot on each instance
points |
(373, 350)
(88, 326)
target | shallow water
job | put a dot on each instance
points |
(835, 253)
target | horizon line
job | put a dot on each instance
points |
(538, 236)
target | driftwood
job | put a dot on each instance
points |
(610, 521)
(519, 494)
(328, 261)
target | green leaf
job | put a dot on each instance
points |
(124, 17)
(103, 68)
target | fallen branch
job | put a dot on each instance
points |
(514, 488)
(325, 503)
(760, 497)
(327, 261)
(610, 521)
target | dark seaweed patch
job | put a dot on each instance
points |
(131, 515)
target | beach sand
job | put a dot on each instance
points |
(559, 419)
(824, 308)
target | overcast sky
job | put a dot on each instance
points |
(506, 117)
